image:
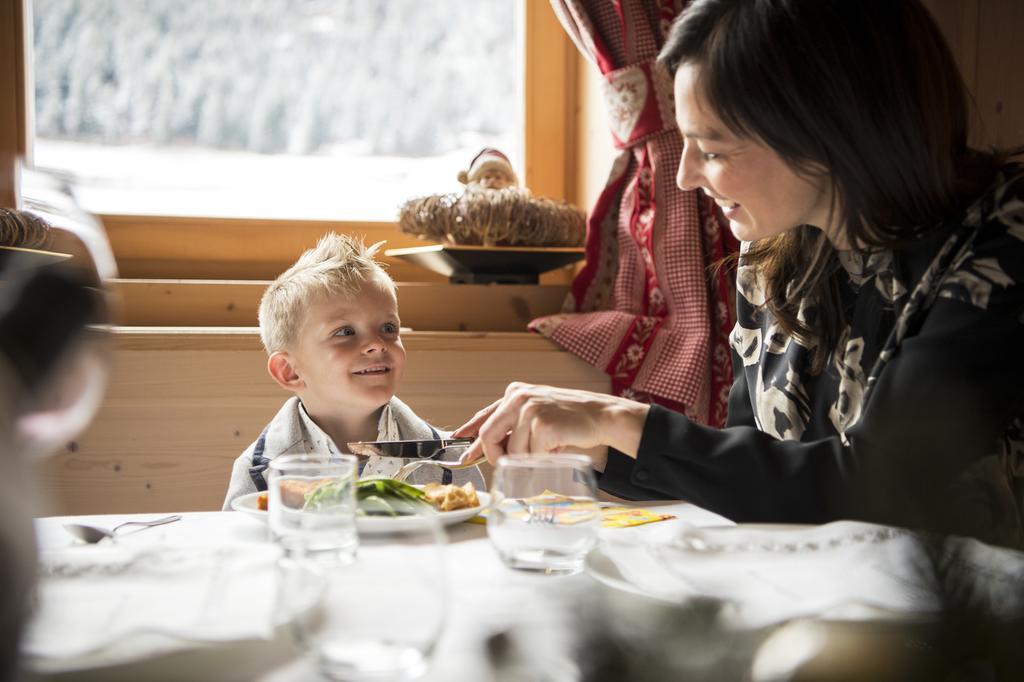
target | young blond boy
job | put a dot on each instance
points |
(331, 328)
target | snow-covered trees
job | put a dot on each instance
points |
(404, 77)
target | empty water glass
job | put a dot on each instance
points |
(312, 505)
(544, 514)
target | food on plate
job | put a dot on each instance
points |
(296, 494)
(449, 497)
(387, 497)
(377, 496)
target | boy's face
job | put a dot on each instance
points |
(348, 351)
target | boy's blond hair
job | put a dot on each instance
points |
(338, 264)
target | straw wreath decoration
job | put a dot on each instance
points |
(492, 211)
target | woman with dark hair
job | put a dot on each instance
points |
(878, 348)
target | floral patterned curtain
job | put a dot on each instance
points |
(646, 308)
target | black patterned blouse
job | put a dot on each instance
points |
(927, 380)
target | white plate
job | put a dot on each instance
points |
(602, 568)
(741, 555)
(374, 524)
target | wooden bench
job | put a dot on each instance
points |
(183, 402)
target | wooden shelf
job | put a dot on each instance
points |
(423, 306)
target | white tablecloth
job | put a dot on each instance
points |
(487, 598)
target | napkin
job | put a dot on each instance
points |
(91, 597)
(764, 576)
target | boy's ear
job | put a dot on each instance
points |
(280, 367)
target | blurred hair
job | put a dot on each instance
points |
(865, 93)
(337, 265)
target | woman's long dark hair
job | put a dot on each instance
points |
(865, 92)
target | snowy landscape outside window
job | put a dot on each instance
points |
(321, 109)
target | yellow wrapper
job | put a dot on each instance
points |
(611, 517)
(623, 517)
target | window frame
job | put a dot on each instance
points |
(15, 109)
(155, 246)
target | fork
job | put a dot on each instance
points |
(407, 469)
(540, 514)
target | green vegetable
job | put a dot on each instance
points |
(372, 505)
(388, 497)
(388, 487)
(327, 495)
(375, 497)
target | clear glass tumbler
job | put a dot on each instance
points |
(312, 505)
(379, 617)
(544, 514)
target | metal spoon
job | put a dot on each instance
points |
(93, 534)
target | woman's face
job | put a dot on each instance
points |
(758, 192)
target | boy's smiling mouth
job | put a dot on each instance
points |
(373, 369)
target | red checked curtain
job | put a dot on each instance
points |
(646, 308)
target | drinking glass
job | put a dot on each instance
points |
(312, 505)
(379, 617)
(57, 311)
(544, 513)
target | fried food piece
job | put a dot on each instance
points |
(261, 501)
(451, 497)
(294, 492)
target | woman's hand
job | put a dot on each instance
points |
(544, 419)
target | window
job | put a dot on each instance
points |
(152, 245)
(323, 109)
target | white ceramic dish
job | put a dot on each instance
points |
(735, 549)
(246, 504)
(602, 568)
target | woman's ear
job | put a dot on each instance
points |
(280, 367)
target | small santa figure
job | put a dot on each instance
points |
(489, 169)
(492, 210)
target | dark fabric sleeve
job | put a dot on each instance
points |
(940, 406)
(738, 472)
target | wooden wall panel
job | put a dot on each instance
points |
(163, 247)
(423, 306)
(985, 38)
(158, 247)
(183, 404)
(1000, 80)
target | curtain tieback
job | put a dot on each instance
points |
(639, 102)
